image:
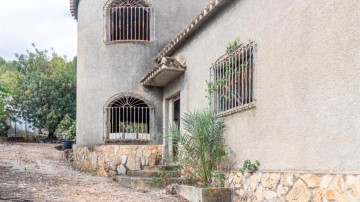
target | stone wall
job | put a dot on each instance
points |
(110, 160)
(294, 187)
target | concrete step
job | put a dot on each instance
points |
(153, 173)
(161, 167)
(146, 183)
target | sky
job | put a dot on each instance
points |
(46, 23)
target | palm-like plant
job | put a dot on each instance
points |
(201, 145)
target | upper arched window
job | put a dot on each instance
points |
(128, 20)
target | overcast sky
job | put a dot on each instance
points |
(47, 23)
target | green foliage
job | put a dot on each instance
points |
(231, 74)
(66, 129)
(201, 146)
(164, 175)
(232, 45)
(249, 166)
(219, 178)
(42, 88)
(4, 113)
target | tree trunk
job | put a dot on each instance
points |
(51, 136)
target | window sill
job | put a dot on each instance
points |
(237, 109)
(127, 41)
(129, 142)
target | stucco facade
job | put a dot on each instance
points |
(105, 71)
(307, 114)
(307, 111)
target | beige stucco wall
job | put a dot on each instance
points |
(307, 115)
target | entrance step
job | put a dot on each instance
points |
(153, 173)
(146, 183)
(161, 167)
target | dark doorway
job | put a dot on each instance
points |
(176, 120)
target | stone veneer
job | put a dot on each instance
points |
(276, 186)
(110, 160)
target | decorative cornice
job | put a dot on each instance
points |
(190, 28)
(165, 63)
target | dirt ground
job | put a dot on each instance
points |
(28, 174)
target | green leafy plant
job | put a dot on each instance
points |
(218, 179)
(164, 175)
(232, 45)
(249, 166)
(201, 145)
(67, 128)
(230, 75)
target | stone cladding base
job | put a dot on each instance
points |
(111, 160)
(277, 186)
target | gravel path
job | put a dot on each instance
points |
(27, 174)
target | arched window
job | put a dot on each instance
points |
(128, 119)
(128, 20)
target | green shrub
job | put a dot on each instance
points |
(250, 167)
(201, 145)
(66, 129)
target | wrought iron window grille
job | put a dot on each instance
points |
(128, 118)
(232, 80)
(128, 20)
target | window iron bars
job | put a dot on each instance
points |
(232, 79)
(128, 23)
(129, 123)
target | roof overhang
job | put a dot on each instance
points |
(164, 73)
(74, 8)
(207, 13)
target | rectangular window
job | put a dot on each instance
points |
(232, 80)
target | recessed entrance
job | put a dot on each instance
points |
(176, 120)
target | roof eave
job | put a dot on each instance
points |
(74, 4)
(180, 39)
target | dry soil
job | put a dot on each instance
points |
(28, 174)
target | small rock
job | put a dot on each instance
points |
(318, 195)
(280, 190)
(330, 194)
(355, 191)
(270, 180)
(299, 193)
(312, 181)
(287, 179)
(325, 181)
(350, 182)
(339, 183)
(121, 170)
(269, 195)
(259, 193)
(124, 159)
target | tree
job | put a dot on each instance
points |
(4, 113)
(43, 88)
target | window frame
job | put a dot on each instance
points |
(232, 83)
(128, 4)
(145, 135)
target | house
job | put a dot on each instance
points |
(288, 90)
